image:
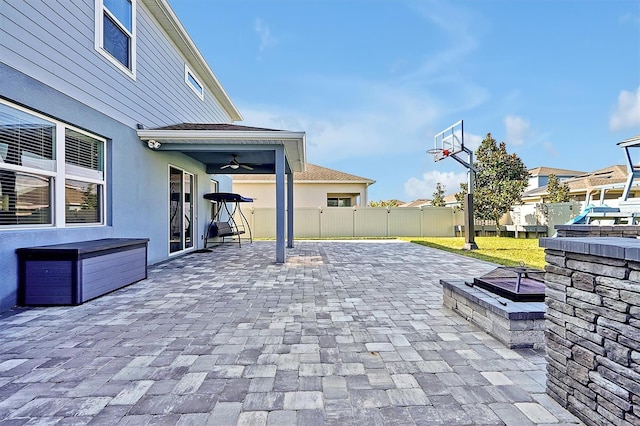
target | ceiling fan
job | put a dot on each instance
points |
(235, 165)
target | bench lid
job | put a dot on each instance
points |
(84, 247)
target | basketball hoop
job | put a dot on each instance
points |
(438, 153)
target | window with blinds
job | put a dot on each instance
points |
(31, 171)
(83, 155)
(26, 140)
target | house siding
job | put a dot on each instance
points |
(53, 41)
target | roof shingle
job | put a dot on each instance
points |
(312, 173)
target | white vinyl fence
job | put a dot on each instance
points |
(363, 222)
(336, 222)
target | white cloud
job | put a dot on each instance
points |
(387, 120)
(630, 17)
(350, 118)
(517, 129)
(627, 112)
(266, 39)
(416, 188)
(472, 141)
(550, 149)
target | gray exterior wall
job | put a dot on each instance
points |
(49, 64)
(53, 42)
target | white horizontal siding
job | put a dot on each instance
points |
(53, 42)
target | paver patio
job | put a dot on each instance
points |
(346, 332)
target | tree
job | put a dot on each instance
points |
(557, 192)
(460, 197)
(438, 196)
(500, 180)
(389, 203)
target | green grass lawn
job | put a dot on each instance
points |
(501, 250)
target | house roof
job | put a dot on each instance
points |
(174, 29)
(416, 203)
(616, 174)
(214, 126)
(313, 173)
(546, 171)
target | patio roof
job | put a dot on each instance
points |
(259, 150)
(214, 144)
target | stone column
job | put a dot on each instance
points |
(593, 327)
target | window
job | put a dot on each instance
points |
(42, 161)
(115, 32)
(338, 202)
(193, 82)
(84, 164)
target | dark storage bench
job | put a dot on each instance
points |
(72, 273)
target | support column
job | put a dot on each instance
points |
(290, 210)
(469, 217)
(280, 206)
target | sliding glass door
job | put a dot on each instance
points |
(181, 210)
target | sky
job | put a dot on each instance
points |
(372, 81)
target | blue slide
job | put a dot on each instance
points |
(582, 217)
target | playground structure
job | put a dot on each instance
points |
(628, 210)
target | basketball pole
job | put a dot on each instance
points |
(440, 151)
(469, 222)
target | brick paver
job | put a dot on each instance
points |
(345, 333)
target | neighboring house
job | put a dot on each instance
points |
(92, 95)
(315, 187)
(539, 176)
(450, 200)
(420, 202)
(603, 185)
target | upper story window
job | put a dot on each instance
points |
(193, 82)
(115, 32)
(50, 173)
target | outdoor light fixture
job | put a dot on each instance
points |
(153, 144)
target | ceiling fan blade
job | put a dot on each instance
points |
(224, 167)
(244, 166)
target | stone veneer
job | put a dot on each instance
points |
(626, 231)
(517, 325)
(593, 327)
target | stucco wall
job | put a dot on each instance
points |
(304, 194)
(137, 183)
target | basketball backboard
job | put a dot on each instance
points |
(448, 142)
